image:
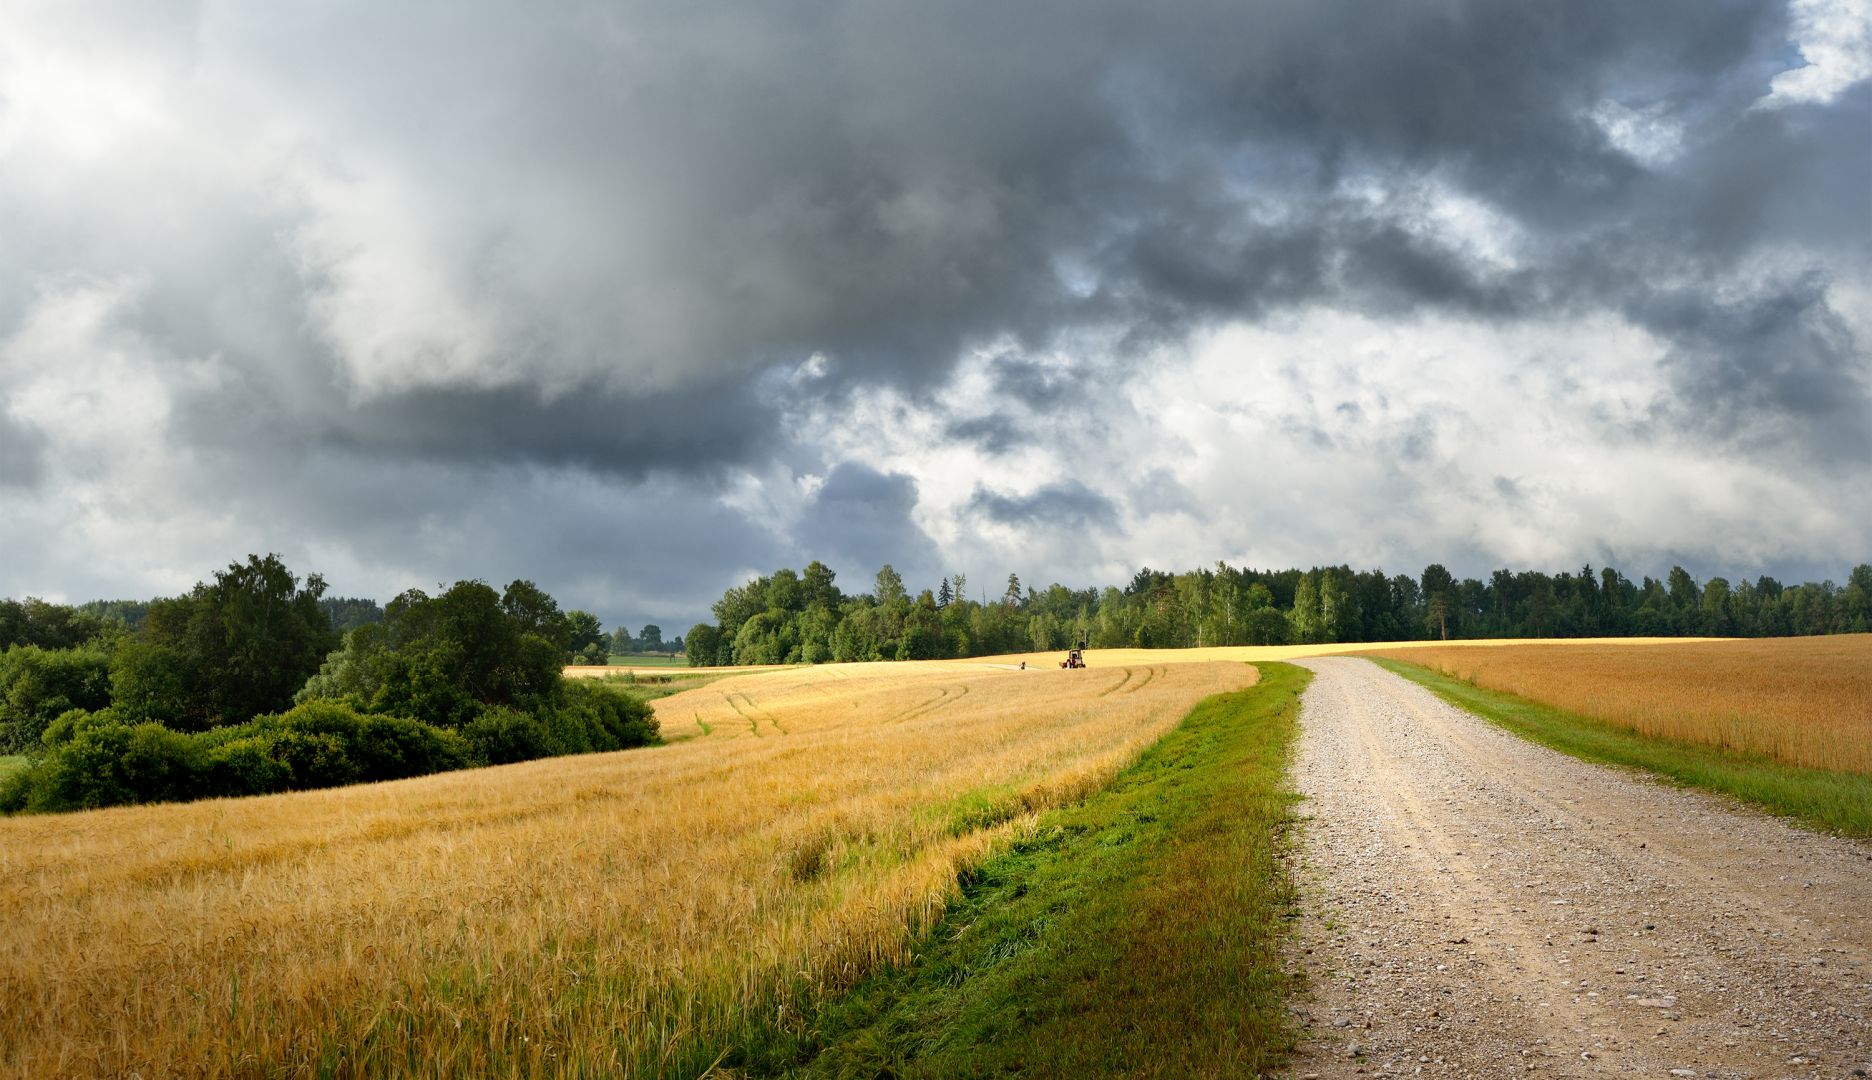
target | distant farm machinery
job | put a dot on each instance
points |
(1075, 656)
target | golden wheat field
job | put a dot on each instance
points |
(1803, 701)
(1265, 653)
(601, 915)
(1126, 657)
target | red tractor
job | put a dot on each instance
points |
(1075, 656)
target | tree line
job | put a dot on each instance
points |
(803, 617)
(247, 685)
(586, 641)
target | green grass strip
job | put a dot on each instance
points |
(12, 763)
(1137, 933)
(1838, 802)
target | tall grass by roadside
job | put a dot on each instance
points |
(1134, 934)
(1832, 800)
(621, 914)
(1799, 701)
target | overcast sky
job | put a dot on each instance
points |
(639, 299)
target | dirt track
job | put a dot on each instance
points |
(1480, 906)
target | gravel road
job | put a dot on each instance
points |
(1476, 905)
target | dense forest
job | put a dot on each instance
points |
(803, 617)
(254, 682)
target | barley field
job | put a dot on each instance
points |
(1800, 701)
(600, 915)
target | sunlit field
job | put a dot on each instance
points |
(600, 671)
(1800, 701)
(1265, 653)
(1244, 654)
(624, 913)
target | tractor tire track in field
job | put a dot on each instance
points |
(1149, 674)
(905, 714)
(1477, 905)
(945, 697)
(751, 712)
(1117, 686)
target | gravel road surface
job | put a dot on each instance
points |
(1476, 905)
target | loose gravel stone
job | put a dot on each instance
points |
(1477, 905)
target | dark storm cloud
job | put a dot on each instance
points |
(1064, 505)
(1766, 361)
(1029, 401)
(627, 435)
(1764, 370)
(1033, 384)
(995, 433)
(859, 520)
(705, 190)
(604, 238)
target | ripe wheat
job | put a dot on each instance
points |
(601, 915)
(1802, 701)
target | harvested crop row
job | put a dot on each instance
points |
(608, 914)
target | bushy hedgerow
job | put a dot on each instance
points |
(501, 736)
(36, 685)
(581, 719)
(99, 759)
(93, 759)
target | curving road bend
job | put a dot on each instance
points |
(1476, 905)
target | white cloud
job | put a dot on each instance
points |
(101, 396)
(326, 278)
(1651, 134)
(1835, 39)
(384, 288)
(1329, 437)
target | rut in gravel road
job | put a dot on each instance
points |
(1476, 905)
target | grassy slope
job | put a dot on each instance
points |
(1836, 801)
(11, 763)
(1136, 933)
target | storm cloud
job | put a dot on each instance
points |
(636, 298)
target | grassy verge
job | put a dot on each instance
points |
(1835, 801)
(12, 763)
(1137, 933)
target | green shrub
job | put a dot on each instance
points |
(500, 736)
(247, 766)
(569, 728)
(97, 759)
(618, 720)
(37, 685)
(16, 791)
(107, 762)
(60, 731)
(324, 743)
(394, 747)
(315, 759)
